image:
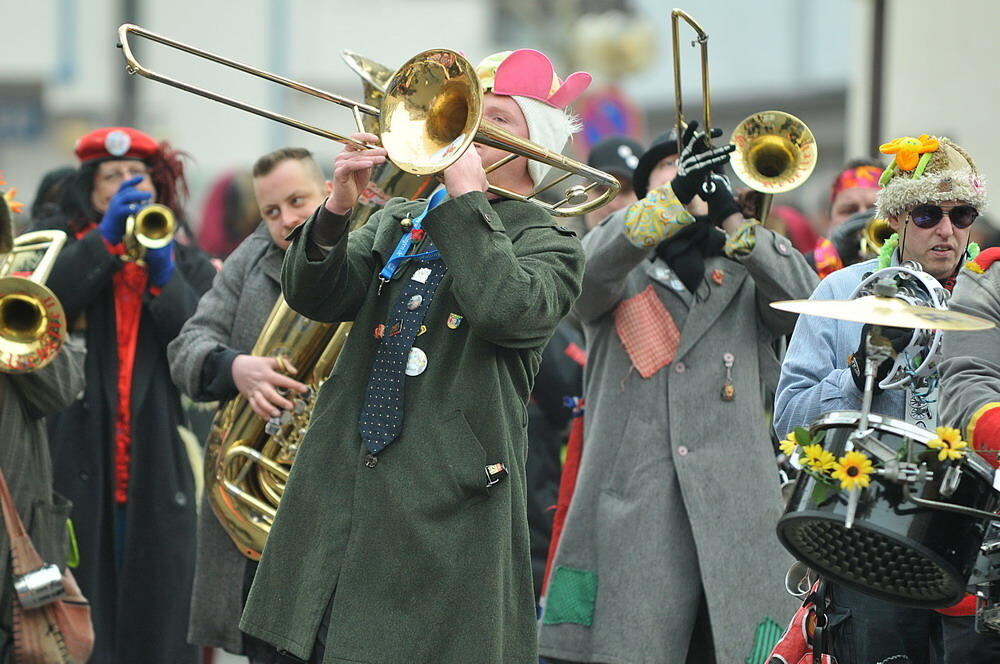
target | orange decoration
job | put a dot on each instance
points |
(908, 150)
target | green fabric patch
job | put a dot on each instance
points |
(571, 597)
(768, 633)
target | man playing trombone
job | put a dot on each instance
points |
(668, 553)
(402, 533)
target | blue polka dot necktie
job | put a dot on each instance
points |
(381, 417)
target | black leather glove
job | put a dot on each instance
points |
(696, 161)
(721, 202)
(899, 337)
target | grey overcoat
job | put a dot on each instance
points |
(25, 400)
(678, 491)
(229, 318)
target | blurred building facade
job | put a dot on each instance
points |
(62, 75)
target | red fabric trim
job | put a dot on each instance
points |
(987, 257)
(985, 435)
(129, 284)
(576, 354)
(567, 484)
(964, 607)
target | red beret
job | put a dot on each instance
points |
(115, 143)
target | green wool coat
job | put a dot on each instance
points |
(421, 561)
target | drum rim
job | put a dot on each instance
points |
(893, 425)
(890, 424)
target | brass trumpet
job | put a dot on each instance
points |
(775, 151)
(430, 115)
(32, 321)
(151, 227)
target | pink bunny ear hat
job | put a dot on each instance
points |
(527, 76)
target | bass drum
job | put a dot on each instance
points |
(896, 550)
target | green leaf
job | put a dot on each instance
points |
(802, 436)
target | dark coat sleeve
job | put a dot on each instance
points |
(81, 272)
(210, 330)
(332, 289)
(514, 278)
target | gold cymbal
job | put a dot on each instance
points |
(889, 311)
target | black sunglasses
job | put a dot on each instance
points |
(928, 216)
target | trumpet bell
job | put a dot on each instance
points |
(775, 152)
(431, 111)
(874, 235)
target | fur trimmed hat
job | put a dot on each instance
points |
(927, 169)
(527, 77)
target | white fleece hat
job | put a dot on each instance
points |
(527, 76)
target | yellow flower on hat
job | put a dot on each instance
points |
(908, 150)
(853, 470)
(818, 459)
(949, 443)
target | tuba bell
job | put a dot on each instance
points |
(32, 321)
(247, 461)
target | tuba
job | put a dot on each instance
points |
(32, 321)
(247, 461)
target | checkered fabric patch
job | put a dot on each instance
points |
(647, 331)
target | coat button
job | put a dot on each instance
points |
(181, 499)
(680, 367)
(682, 450)
(371, 460)
(84, 475)
(782, 248)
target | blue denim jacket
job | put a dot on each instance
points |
(815, 378)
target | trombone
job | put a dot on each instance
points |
(431, 114)
(775, 151)
(32, 321)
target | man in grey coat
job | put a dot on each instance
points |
(210, 361)
(669, 552)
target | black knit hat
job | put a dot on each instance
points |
(618, 155)
(664, 146)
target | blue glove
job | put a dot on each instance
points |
(160, 264)
(125, 202)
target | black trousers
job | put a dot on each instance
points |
(865, 630)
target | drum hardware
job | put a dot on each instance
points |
(986, 578)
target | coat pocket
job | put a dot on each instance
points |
(48, 529)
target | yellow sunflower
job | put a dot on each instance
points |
(788, 445)
(949, 443)
(853, 469)
(818, 459)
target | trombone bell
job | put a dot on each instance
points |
(775, 152)
(431, 111)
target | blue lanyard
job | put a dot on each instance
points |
(406, 240)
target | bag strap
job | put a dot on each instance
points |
(14, 526)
